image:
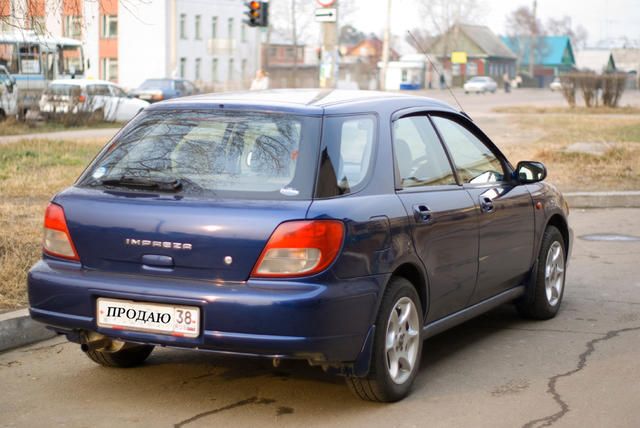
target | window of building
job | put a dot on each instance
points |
(183, 26)
(197, 25)
(183, 67)
(109, 26)
(230, 28)
(231, 67)
(197, 72)
(214, 27)
(72, 26)
(214, 70)
(243, 33)
(110, 69)
(38, 24)
(243, 69)
(472, 69)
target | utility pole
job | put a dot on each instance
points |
(534, 39)
(385, 48)
(329, 53)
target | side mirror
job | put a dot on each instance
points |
(530, 172)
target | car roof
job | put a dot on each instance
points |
(81, 82)
(306, 101)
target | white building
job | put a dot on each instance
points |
(200, 40)
(129, 41)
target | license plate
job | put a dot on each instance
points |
(150, 317)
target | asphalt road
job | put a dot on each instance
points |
(579, 369)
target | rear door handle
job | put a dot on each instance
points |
(422, 214)
(486, 204)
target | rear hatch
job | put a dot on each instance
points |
(191, 193)
(222, 240)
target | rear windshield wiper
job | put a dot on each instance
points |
(169, 184)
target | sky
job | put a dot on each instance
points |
(603, 19)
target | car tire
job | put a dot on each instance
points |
(97, 116)
(387, 381)
(545, 289)
(124, 358)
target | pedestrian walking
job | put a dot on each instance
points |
(261, 81)
(442, 81)
(507, 82)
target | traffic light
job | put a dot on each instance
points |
(258, 14)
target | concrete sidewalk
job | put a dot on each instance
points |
(18, 329)
(608, 199)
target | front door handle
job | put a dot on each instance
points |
(486, 204)
(422, 214)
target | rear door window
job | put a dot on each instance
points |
(213, 154)
(419, 155)
(345, 158)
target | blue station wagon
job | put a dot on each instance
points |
(338, 227)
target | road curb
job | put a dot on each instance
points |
(18, 329)
(618, 199)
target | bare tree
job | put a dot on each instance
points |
(423, 37)
(522, 26)
(292, 20)
(563, 27)
(443, 15)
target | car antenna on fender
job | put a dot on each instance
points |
(440, 75)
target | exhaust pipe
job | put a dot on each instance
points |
(95, 343)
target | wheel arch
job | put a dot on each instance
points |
(414, 274)
(560, 223)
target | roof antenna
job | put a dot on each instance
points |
(424, 51)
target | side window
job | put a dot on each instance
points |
(346, 154)
(93, 90)
(117, 92)
(474, 162)
(180, 86)
(420, 158)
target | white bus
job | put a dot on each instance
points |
(34, 60)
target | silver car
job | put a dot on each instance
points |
(480, 84)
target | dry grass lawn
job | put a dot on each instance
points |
(617, 169)
(30, 173)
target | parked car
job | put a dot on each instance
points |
(154, 90)
(339, 227)
(104, 100)
(8, 94)
(556, 85)
(480, 84)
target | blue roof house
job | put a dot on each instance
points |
(553, 55)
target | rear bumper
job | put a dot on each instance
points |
(326, 322)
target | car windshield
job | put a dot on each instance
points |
(213, 154)
(157, 84)
(478, 79)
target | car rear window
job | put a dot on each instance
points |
(62, 89)
(215, 154)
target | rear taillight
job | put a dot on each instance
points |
(57, 240)
(82, 98)
(300, 248)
